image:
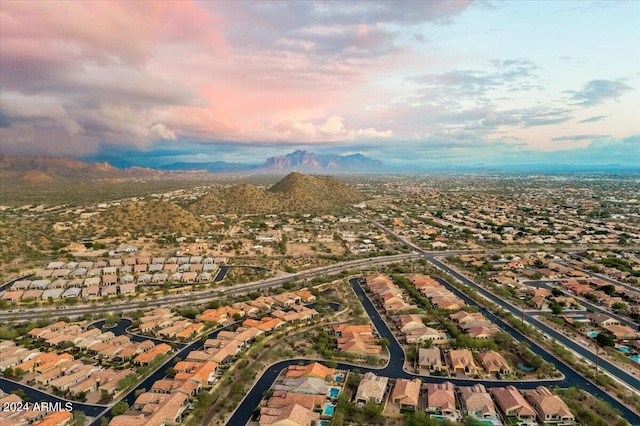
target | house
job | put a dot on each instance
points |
(311, 370)
(550, 408)
(248, 310)
(461, 361)
(305, 296)
(109, 290)
(482, 332)
(477, 403)
(282, 398)
(602, 320)
(128, 288)
(204, 374)
(90, 291)
(431, 359)
(463, 317)
(307, 385)
(494, 363)
(622, 332)
(290, 415)
(287, 299)
(72, 292)
(266, 324)
(409, 322)
(146, 357)
(371, 388)
(219, 315)
(12, 296)
(55, 418)
(441, 399)
(424, 334)
(406, 393)
(155, 409)
(512, 404)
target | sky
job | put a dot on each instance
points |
(417, 83)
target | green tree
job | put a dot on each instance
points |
(120, 408)
(556, 308)
(78, 418)
(605, 339)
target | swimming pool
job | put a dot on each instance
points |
(526, 368)
(624, 349)
(339, 378)
(328, 410)
(593, 334)
(334, 392)
(635, 358)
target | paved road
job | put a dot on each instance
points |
(35, 395)
(394, 368)
(549, 285)
(199, 297)
(585, 384)
(578, 380)
(600, 276)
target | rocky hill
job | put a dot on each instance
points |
(145, 217)
(296, 192)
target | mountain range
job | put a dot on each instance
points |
(300, 161)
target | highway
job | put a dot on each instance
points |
(196, 297)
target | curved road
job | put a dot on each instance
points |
(572, 377)
(395, 367)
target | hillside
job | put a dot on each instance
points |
(296, 192)
(40, 170)
(149, 217)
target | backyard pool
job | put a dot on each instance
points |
(635, 358)
(334, 392)
(526, 368)
(328, 410)
(624, 349)
(593, 334)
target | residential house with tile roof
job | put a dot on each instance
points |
(551, 409)
(371, 388)
(513, 405)
(441, 399)
(406, 393)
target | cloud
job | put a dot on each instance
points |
(576, 138)
(511, 74)
(592, 119)
(332, 129)
(599, 91)
(78, 75)
(81, 78)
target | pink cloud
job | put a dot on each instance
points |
(126, 72)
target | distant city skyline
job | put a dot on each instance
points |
(427, 83)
